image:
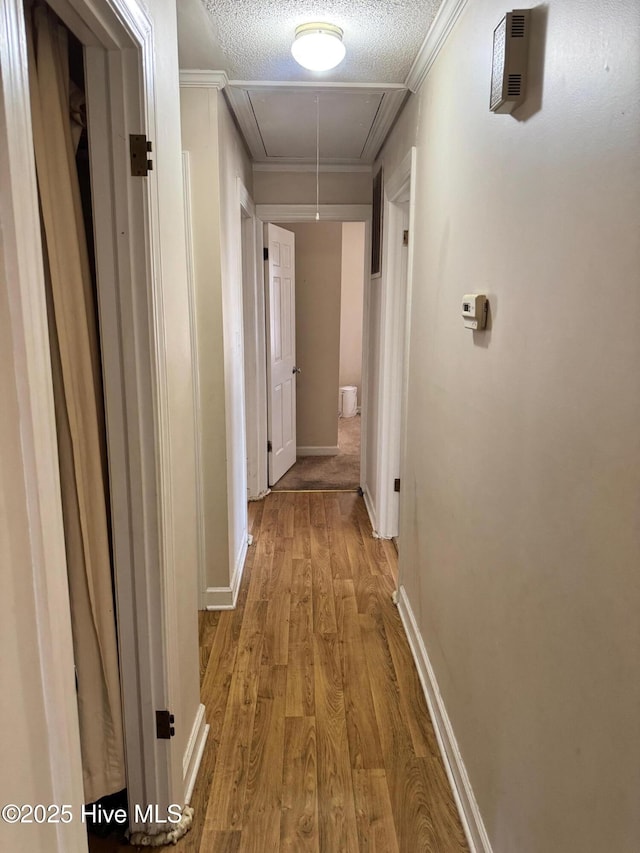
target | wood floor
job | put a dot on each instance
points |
(320, 736)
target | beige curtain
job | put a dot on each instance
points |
(79, 410)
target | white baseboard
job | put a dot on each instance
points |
(462, 791)
(225, 597)
(193, 753)
(318, 451)
(259, 497)
(371, 510)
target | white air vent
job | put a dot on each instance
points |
(510, 60)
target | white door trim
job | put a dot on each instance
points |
(195, 362)
(120, 78)
(278, 213)
(21, 269)
(255, 346)
(394, 341)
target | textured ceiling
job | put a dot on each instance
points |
(254, 37)
(251, 41)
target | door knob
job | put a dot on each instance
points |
(296, 370)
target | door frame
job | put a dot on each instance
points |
(283, 213)
(397, 266)
(120, 79)
(255, 345)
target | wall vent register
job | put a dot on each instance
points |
(510, 61)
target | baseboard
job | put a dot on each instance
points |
(465, 800)
(225, 597)
(193, 753)
(318, 451)
(259, 497)
(371, 511)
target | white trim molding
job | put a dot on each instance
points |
(225, 597)
(35, 520)
(255, 376)
(335, 213)
(438, 33)
(370, 507)
(395, 299)
(318, 451)
(197, 408)
(195, 78)
(468, 810)
(194, 752)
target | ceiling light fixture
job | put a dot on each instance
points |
(318, 47)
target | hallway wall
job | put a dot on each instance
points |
(217, 160)
(297, 187)
(520, 490)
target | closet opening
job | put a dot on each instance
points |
(63, 167)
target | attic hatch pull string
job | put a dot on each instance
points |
(317, 158)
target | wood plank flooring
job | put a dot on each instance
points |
(320, 736)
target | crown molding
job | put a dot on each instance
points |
(194, 78)
(438, 33)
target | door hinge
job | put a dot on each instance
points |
(269, 447)
(405, 238)
(139, 147)
(164, 725)
(265, 253)
(396, 484)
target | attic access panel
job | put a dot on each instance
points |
(287, 123)
(278, 121)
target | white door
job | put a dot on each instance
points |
(281, 350)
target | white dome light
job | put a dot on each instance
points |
(318, 47)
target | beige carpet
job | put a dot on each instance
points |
(322, 473)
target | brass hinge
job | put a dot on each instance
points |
(396, 484)
(139, 147)
(165, 729)
(405, 238)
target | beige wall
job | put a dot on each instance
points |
(318, 254)
(300, 187)
(520, 539)
(234, 167)
(199, 113)
(351, 296)
(217, 160)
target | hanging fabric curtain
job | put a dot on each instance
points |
(79, 410)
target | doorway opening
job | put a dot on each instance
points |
(117, 44)
(62, 156)
(326, 328)
(329, 291)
